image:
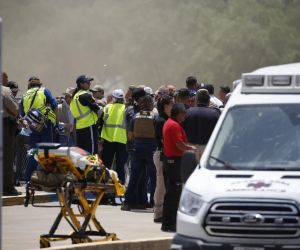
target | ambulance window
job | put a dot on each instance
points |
(259, 137)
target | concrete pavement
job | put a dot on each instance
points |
(40, 197)
(23, 226)
(140, 244)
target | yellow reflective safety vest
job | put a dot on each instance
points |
(38, 103)
(85, 117)
(114, 127)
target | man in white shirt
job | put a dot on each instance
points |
(214, 101)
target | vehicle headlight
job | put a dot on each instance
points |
(190, 203)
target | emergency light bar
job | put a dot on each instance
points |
(281, 80)
(254, 80)
(277, 84)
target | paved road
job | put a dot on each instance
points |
(23, 226)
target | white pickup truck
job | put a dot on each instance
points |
(245, 192)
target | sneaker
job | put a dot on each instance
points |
(125, 207)
(170, 229)
(158, 220)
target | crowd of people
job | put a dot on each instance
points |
(141, 133)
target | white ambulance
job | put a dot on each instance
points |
(245, 192)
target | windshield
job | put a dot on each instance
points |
(258, 137)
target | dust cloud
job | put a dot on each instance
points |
(151, 42)
(60, 39)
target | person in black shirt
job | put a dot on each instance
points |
(133, 96)
(200, 122)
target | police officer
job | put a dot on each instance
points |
(142, 130)
(133, 95)
(114, 135)
(10, 112)
(86, 111)
(41, 99)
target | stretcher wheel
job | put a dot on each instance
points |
(81, 240)
(115, 237)
(44, 243)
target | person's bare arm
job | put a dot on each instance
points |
(184, 146)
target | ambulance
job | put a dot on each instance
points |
(245, 192)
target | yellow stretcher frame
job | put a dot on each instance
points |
(70, 191)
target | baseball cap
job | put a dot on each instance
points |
(148, 90)
(97, 88)
(69, 91)
(138, 92)
(192, 93)
(83, 79)
(118, 93)
(13, 86)
(34, 80)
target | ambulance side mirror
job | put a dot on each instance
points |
(188, 165)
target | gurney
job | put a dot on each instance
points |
(71, 172)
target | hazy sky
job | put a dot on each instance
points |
(58, 40)
(150, 42)
(55, 40)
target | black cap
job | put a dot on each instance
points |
(83, 79)
(138, 92)
(192, 93)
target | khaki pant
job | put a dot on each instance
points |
(160, 189)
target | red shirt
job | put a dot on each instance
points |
(173, 133)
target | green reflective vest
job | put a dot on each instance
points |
(114, 127)
(38, 103)
(84, 116)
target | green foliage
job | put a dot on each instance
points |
(213, 39)
(147, 41)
